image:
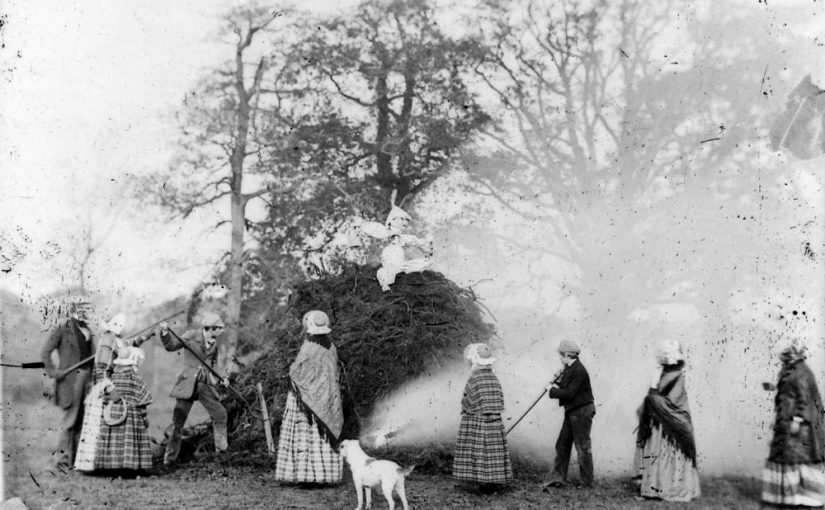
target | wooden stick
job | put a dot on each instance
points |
(525, 412)
(33, 364)
(267, 427)
(79, 364)
(144, 330)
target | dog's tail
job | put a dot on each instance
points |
(405, 471)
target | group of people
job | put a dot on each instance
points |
(104, 398)
(106, 428)
(664, 464)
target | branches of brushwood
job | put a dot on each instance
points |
(384, 339)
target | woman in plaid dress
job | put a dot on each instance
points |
(313, 418)
(96, 398)
(125, 444)
(481, 454)
(794, 474)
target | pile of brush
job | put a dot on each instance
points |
(384, 339)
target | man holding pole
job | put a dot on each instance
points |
(73, 340)
(197, 380)
(572, 388)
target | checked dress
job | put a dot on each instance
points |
(126, 446)
(313, 418)
(481, 453)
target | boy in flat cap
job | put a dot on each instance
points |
(572, 388)
(195, 381)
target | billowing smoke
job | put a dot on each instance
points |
(734, 292)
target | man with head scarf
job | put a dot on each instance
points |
(313, 416)
(665, 461)
(481, 454)
(794, 474)
(195, 381)
(73, 340)
(572, 388)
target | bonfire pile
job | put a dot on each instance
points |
(384, 339)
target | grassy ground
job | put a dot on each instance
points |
(209, 487)
(28, 439)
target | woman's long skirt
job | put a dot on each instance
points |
(303, 455)
(481, 453)
(90, 432)
(793, 484)
(127, 445)
(665, 471)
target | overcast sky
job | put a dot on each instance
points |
(89, 94)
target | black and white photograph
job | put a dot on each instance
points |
(412, 254)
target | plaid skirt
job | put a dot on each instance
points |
(793, 484)
(303, 456)
(90, 432)
(481, 453)
(126, 446)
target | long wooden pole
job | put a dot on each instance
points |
(527, 411)
(79, 364)
(270, 444)
(144, 330)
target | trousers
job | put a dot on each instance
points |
(71, 423)
(575, 431)
(208, 397)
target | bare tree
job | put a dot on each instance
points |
(230, 127)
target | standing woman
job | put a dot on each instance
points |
(665, 461)
(101, 384)
(481, 454)
(124, 438)
(313, 418)
(794, 473)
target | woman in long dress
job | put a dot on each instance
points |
(313, 418)
(124, 437)
(665, 462)
(101, 386)
(114, 434)
(794, 473)
(481, 457)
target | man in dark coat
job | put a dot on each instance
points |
(572, 388)
(195, 381)
(72, 339)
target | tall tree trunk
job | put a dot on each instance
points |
(236, 269)
(238, 206)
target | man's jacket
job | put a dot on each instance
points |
(192, 370)
(72, 347)
(574, 388)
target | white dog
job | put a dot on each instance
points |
(368, 472)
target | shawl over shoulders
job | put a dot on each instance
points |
(667, 406)
(314, 378)
(482, 394)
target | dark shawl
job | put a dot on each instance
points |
(667, 406)
(314, 380)
(797, 395)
